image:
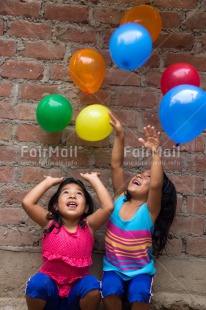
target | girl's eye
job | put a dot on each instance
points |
(79, 193)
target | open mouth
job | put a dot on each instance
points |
(72, 204)
(137, 182)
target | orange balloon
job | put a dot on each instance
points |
(146, 16)
(87, 69)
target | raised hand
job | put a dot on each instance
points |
(53, 181)
(90, 176)
(152, 139)
(115, 123)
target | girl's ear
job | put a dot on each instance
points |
(86, 208)
(56, 207)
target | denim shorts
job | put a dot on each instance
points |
(138, 289)
(43, 287)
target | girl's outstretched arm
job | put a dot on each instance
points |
(152, 142)
(30, 201)
(99, 217)
(118, 181)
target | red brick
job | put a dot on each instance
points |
(200, 163)
(182, 4)
(131, 139)
(6, 174)
(174, 247)
(196, 205)
(151, 119)
(179, 204)
(59, 72)
(5, 132)
(86, 35)
(199, 62)
(131, 2)
(196, 246)
(70, 138)
(105, 177)
(153, 61)
(196, 21)
(106, 37)
(13, 196)
(202, 78)
(188, 225)
(37, 91)
(7, 153)
(107, 15)
(175, 40)
(22, 70)
(24, 29)
(102, 96)
(67, 13)
(1, 27)
(14, 237)
(138, 98)
(7, 111)
(196, 145)
(204, 43)
(26, 111)
(188, 184)
(121, 77)
(76, 158)
(197, 163)
(102, 158)
(128, 118)
(29, 155)
(166, 141)
(36, 175)
(16, 8)
(7, 48)
(106, 55)
(10, 216)
(173, 163)
(42, 50)
(34, 133)
(153, 78)
(171, 20)
(5, 89)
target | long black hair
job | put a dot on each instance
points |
(53, 213)
(160, 234)
(165, 218)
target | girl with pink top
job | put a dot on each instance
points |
(63, 282)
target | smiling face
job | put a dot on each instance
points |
(72, 202)
(139, 185)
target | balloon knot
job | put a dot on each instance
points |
(87, 92)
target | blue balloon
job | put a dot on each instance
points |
(130, 46)
(182, 113)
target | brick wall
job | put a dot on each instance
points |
(37, 39)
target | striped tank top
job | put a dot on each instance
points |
(128, 243)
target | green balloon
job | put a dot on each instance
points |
(54, 113)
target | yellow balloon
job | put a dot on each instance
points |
(92, 123)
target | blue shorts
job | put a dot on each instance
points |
(43, 287)
(139, 289)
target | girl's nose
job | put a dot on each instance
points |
(72, 194)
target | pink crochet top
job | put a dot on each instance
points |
(67, 256)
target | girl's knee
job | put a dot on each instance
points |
(94, 294)
(40, 286)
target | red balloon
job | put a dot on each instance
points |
(179, 74)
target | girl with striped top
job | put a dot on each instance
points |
(138, 227)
